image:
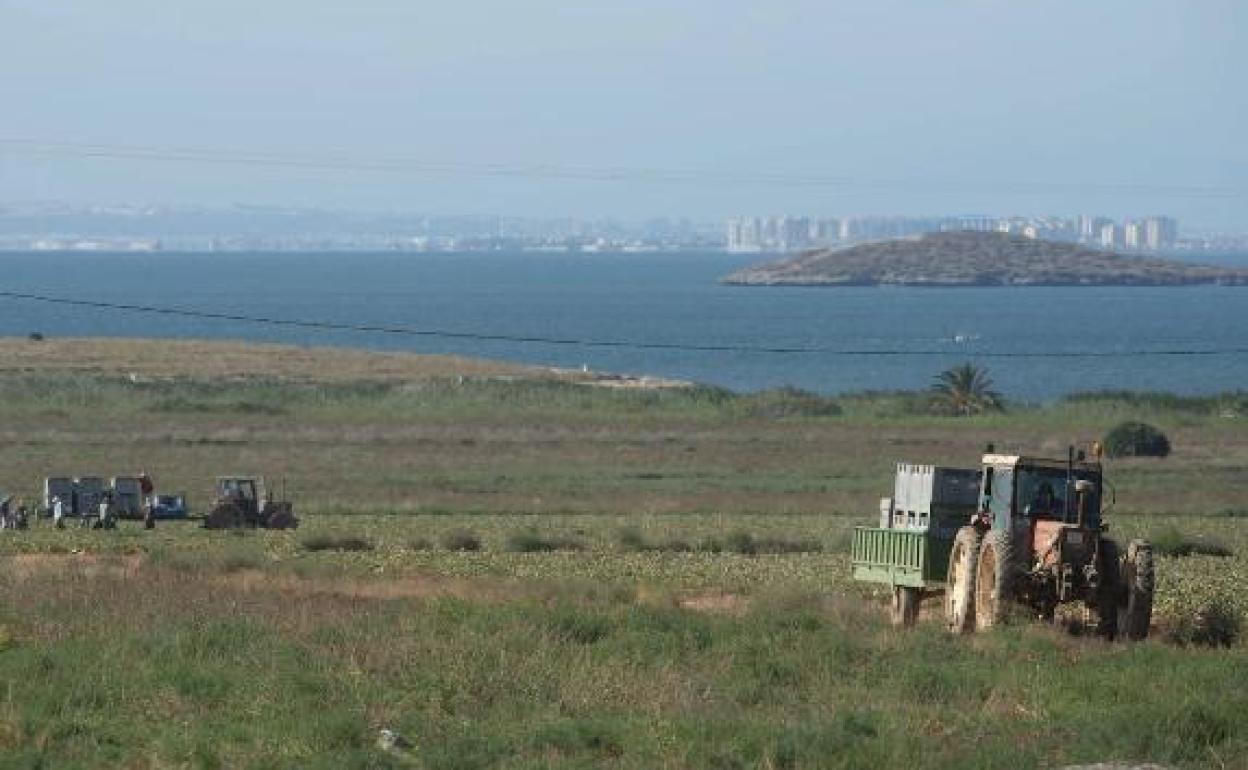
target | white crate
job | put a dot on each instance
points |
(916, 488)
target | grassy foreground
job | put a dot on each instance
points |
(660, 578)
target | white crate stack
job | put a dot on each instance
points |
(917, 488)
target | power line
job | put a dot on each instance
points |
(596, 343)
(422, 167)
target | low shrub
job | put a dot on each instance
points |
(570, 736)
(420, 544)
(241, 561)
(1215, 623)
(632, 539)
(1172, 542)
(580, 626)
(747, 544)
(531, 541)
(461, 540)
(790, 402)
(787, 544)
(674, 545)
(892, 403)
(182, 405)
(1136, 439)
(741, 542)
(1143, 399)
(336, 543)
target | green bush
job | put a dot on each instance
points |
(632, 539)
(461, 540)
(747, 544)
(1215, 623)
(336, 543)
(1172, 542)
(673, 545)
(1136, 439)
(531, 541)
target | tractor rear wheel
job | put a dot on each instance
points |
(992, 580)
(960, 582)
(1109, 590)
(224, 515)
(1135, 612)
(905, 606)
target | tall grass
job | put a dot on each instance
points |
(106, 672)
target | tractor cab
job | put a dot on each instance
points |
(1050, 512)
(1016, 489)
(244, 492)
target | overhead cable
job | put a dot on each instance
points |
(324, 325)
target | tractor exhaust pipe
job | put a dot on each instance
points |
(1070, 484)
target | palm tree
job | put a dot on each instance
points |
(965, 390)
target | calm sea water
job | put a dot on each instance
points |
(657, 298)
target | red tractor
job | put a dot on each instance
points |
(244, 501)
(1037, 539)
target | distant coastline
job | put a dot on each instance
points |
(979, 259)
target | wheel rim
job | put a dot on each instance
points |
(956, 598)
(985, 588)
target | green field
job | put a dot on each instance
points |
(661, 577)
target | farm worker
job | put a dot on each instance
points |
(58, 512)
(106, 510)
(1044, 502)
(145, 484)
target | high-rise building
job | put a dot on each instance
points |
(792, 233)
(733, 235)
(1160, 233)
(1132, 235)
(1086, 228)
(978, 224)
(744, 234)
(1108, 235)
(825, 231)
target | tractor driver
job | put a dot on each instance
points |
(1044, 503)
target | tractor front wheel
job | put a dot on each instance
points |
(905, 606)
(992, 580)
(960, 582)
(1135, 612)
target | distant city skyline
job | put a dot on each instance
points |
(1152, 234)
(63, 226)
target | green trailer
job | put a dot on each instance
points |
(909, 550)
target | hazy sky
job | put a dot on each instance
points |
(993, 106)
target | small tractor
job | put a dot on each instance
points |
(245, 502)
(1020, 531)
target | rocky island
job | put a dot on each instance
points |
(978, 259)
